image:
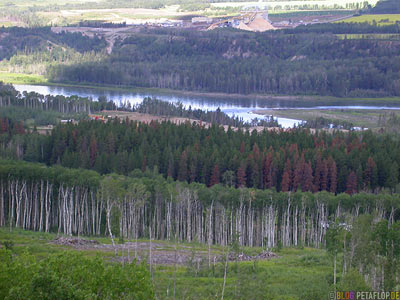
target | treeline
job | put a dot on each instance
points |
(157, 107)
(9, 97)
(230, 61)
(73, 201)
(322, 122)
(284, 160)
(75, 107)
(344, 28)
(36, 109)
(162, 108)
(390, 121)
(41, 39)
(386, 7)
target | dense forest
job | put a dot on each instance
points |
(284, 160)
(221, 61)
(9, 97)
(299, 61)
(75, 201)
(386, 7)
(19, 39)
(303, 60)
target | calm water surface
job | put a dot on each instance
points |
(232, 106)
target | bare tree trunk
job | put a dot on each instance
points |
(210, 235)
(108, 213)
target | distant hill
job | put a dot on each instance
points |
(387, 7)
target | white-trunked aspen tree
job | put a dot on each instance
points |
(112, 193)
(334, 245)
(81, 202)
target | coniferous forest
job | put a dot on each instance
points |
(299, 61)
(285, 161)
(322, 59)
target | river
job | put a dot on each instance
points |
(233, 106)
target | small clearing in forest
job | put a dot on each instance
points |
(161, 252)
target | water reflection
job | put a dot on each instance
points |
(233, 106)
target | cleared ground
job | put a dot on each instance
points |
(117, 15)
(28, 3)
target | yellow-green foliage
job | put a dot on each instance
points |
(381, 20)
(297, 273)
(369, 36)
(16, 78)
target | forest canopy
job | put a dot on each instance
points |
(305, 60)
(386, 7)
(284, 160)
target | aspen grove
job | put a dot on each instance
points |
(81, 202)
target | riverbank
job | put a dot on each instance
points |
(365, 118)
(17, 78)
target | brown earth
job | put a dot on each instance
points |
(260, 24)
(109, 34)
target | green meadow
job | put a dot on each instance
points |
(297, 273)
(19, 78)
(386, 19)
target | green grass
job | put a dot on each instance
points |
(369, 36)
(296, 273)
(18, 78)
(379, 19)
(291, 276)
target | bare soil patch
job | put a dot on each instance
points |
(74, 242)
(161, 253)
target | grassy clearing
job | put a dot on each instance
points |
(369, 36)
(358, 117)
(321, 3)
(18, 78)
(5, 23)
(379, 19)
(296, 274)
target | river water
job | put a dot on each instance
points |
(233, 106)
